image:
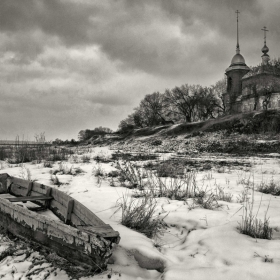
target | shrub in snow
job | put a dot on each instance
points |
(206, 201)
(48, 164)
(139, 214)
(55, 180)
(251, 225)
(85, 158)
(269, 188)
(131, 174)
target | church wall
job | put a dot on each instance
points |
(274, 101)
(248, 104)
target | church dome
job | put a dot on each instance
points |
(238, 59)
(265, 49)
(238, 63)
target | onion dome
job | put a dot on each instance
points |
(238, 59)
(238, 63)
(265, 49)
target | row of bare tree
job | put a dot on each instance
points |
(187, 103)
(86, 134)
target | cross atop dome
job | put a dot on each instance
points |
(265, 49)
(265, 30)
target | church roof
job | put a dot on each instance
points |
(238, 59)
(238, 63)
(262, 70)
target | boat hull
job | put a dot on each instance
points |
(87, 248)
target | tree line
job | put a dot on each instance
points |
(187, 103)
(86, 134)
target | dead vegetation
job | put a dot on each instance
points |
(139, 214)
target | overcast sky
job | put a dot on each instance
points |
(69, 65)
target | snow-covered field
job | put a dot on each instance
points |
(198, 243)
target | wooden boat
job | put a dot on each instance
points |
(74, 232)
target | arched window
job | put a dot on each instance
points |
(229, 83)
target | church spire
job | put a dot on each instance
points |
(238, 60)
(265, 49)
(237, 44)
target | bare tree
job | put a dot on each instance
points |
(208, 104)
(152, 108)
(219, 89)
(127, 124)
(183, 101)
(40, 138)
(268, 85)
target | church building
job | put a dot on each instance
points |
(252, 89)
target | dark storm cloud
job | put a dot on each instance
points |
(67, 20)
(158, 37)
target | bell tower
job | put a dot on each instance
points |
(234, 73)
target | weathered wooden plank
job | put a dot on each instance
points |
(48, 193)
(76, 252)
(76, 221)
(18, 190)
(58, 209)
(61, 197)
(20, 182)
(4, 176)
(104, 231)
(29, 198)
(31, 219)
(40, 188)
(86, 215)
(33, 193)
(29, 189)
(69, 211)
(36, 209)
(3, 182)
(62, 234)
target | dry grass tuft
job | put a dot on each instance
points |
(139, 214)
(131, 174)
(251, 225)
(269, 188)
(173, 188)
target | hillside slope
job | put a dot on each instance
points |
(247, 123)
(244, 133)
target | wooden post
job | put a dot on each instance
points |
(29, 189)
(48, 193)
(3, 183)
(69, 211)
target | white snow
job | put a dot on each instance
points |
(198, 244)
